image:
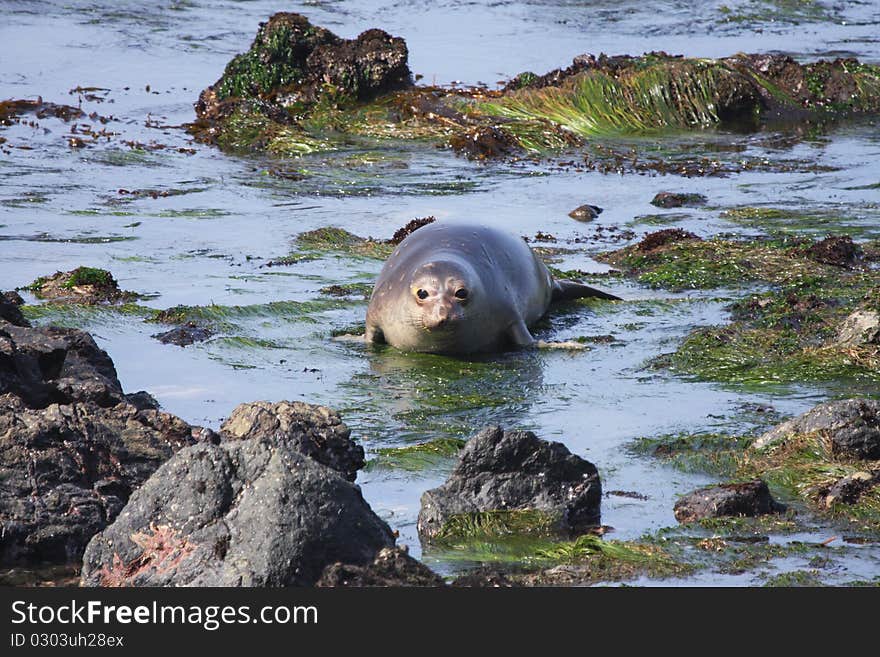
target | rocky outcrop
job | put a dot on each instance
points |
(391, 567)
(316, 431)
(84, 285)
(850, 429)
(859, 328)
(751, 498)
(9, 309)
(292, 63)
(515, 470)
(66, 470)
(55, 365)
(250, 512)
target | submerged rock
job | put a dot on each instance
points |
(250, 512)
(677, 200)
(515, 470)
(55, 365)
(184, 335)
(850, 428)
(391, 567)
(751, 498)
(316, 431)
(66, 471)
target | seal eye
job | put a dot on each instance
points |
(422, 294)
(461, 293)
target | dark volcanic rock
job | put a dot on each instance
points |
(677, 200)
(391, 567)
(850, 427)
(292, 63)
(67, 470)
(506, 470)
(243, 513)
(316, 431)
(9, 309)
(55, 365)
(184, 335)
(747, 499)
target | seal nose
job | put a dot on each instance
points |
(441, 316)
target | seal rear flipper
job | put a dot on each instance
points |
(518, 334)
(565, 290)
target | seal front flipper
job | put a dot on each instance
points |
(374, 335)
(518, 334)
(565, 290)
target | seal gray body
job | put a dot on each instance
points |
(463, 288)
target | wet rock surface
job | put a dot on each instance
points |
(585, 212)
(294, 62)
(742, 499)
(183, 336)
(513, 470)
(244, 513)
(849, 427)
(66, 470)
(391, 567)
(55, 365)
(83, 285)
(10, 310)
(678, 200)
(315, 431)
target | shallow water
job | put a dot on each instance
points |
(210, 240)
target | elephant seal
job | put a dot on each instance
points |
(463, 288)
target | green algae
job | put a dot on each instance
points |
(338, 240)
(415, 458)
(805, 578)
(82, 316)
(705, 264)
(489, 524)
(535, 560)
(771, 219)
(779, 11)
(715, 453)
(662, 95)
(286, 310)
